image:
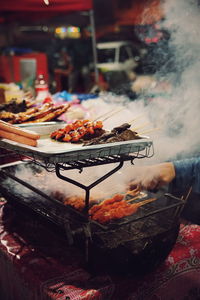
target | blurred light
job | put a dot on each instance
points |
(68, 32)
(45, 28)
(46, 2)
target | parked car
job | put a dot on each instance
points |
(118, 56)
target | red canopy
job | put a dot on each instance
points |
(34, 10)
(40, 6)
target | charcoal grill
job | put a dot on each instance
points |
(137, 243)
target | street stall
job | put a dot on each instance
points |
(71, 228)
(61, 244)
(61, 238)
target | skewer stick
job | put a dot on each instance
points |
(138, 117)
(103, 115)
(148, 131)
(115, 112)
(134, 198)
(143, 202)
(138, 196)
(142, 126)
(134, 192)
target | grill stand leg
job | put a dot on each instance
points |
(87, 229)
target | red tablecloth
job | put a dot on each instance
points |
(35, 263)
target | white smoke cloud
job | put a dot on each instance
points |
(178, 115)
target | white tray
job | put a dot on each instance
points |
(52, 151)
(42, 128)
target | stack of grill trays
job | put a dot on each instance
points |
(136, 244)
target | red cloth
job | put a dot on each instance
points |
(36, 263)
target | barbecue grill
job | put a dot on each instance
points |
(136, 243)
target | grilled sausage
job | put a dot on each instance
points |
(18, 138)
(26, 133)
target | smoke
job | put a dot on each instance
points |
(50, 184)
(178, 115)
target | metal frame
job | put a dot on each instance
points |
(82, 220)
(84, 187)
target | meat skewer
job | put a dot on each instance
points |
(117, 210)
(117, 134)
(44, 113)
(116, 198)
(78, 130)
(96, 207)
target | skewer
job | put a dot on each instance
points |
(133, 192)
(133, 199)
(148, 131)
(142, 126)
(103, 115)
(143, 202)
(139, 196)
(138, 117)
(115, 112)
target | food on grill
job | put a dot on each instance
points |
(106, 202)
(78, 131)
(46, 112)
(19, 135)
(117, 134)
(115, 208)
(77, 202)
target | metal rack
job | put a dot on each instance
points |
(84, 158)
(50, 152)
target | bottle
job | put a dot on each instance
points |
(42, 89)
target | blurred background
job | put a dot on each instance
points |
(85, 46)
